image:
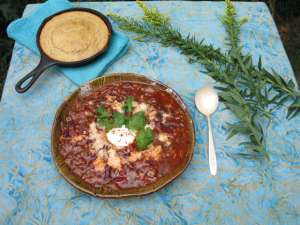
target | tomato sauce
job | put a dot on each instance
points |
(169, 122)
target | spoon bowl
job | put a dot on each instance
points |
(206, 100)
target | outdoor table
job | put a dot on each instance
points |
(246, 190)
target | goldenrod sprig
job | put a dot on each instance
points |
(232, 24)
(153, 16)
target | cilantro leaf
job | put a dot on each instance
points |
(105, 120)
(137, 121)
(109, 125)
(102, 116)
(106, 123)
(118, 119)
(144, 138)
(102, 113)
(128, 104)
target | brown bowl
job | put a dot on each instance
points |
(104, 191)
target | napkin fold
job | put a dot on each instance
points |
(24, 31)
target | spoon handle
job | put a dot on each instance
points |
(211, 150)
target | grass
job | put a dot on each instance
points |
(286, 14)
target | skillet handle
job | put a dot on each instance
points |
(44, 64)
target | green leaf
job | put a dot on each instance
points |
(291, 84)
(254, 147)
(248, 61)
(238, 110)
(102, 116)
(102, 113)
(118, 119)
(144, 138)
(137, 121)
(243, 21)
(232, 133)
(104, 119)
(259, 63)
(240, 127)
(292, 112)
(295, 105)
(109, 125)
(128, 104)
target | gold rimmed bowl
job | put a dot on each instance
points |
(104, 191)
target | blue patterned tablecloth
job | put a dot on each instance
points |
(246, 191)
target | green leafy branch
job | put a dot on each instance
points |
(153, 28)
(251, 92)
(268, 84)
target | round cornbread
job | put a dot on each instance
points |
(74, 36)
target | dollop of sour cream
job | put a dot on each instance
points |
(120, 137)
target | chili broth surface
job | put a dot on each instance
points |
(90, 156)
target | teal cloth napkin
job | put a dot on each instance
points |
(24, 31)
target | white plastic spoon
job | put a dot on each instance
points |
(207, 101)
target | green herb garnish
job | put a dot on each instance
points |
(119, 119)
(103, 118)
(102, 114)
(110, 122)
(248, 90)
(136, 123)
(144, 138)
(128, 104)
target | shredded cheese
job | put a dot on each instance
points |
(153, 152)
(117, 106)
(165, 138)
(140, 107)
(99, 164)
(77, 138)
(151, 113)
(164, 117)
(98, 137)
(113, 159)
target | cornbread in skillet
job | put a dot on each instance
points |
(74, 36)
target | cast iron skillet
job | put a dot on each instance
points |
(46, 61)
